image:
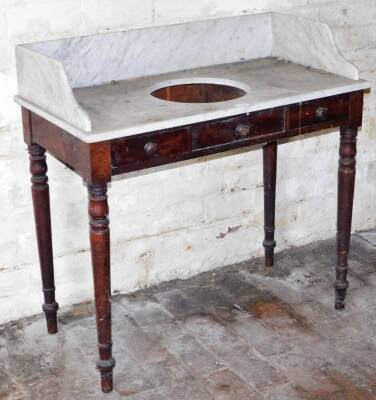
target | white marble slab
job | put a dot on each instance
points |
(97, 59)
(311, 43)
(42, 82)
(127, 107)
(68, 81)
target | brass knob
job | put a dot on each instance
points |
(242, 130)
(322, 112)
(150, 148)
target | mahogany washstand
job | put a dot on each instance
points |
(97, 162)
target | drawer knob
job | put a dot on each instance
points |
(322, 112)
(242, 130)
(150, 148)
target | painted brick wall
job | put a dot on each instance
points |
(174, 222)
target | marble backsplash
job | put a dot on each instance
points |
(50, 70)
(97, 59)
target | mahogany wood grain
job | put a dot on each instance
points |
(270, 175)
(26, 123)
(316, 112)
(92, 161)
(97, 162)
(346, 182)
(198, 93)
(100, 253)
(227, 130)
(41, 202)
(132, 153)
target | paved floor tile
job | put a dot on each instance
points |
(240, 332)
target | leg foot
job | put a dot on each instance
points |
(41, 202)
(50, 311)
(105, 367)
(270, 175)
(340, 289)
(100, 253)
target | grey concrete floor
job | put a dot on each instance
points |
(241, 332)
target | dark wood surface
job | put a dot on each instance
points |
(346, 182)
(130, 154)
(270, 177)
(197, 140)
(310, 113)
(346, 185)
(198, 93)
(97, 162)
(91, 161)
(233, 130)
(41, 201)
(100, 254)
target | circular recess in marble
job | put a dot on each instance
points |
(199, 90)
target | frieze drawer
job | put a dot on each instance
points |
(315, 112)
(240, 128)
(129, 154)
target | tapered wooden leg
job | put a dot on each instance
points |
(346, 182)
(41, 201)
(100, 253)
(270, 173)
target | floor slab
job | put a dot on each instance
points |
(240, 332)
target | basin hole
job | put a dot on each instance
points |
(198, 93)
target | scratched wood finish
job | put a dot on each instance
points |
(346, 182)
(100, 253)
(91, 161)
(130, 154)
(41, 201)
(270, 175)
(224, 134)
(346, 185)
(311, 113)
(227, 131)
(97, 162)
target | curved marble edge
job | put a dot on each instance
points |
(45, 88)
(43, 80)
(63, 124)
(241, 108)
(201, 80)
(310, 43)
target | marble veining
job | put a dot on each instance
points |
(311, 43)
(97, 59)
(128, 108)
(42, 83)
(98, 87)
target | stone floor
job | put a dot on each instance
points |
(241, 332)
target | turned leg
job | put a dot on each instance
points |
(100, 254)
(346, 182)
(41, 201)
(270, 172)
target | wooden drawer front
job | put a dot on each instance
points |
(129, 154)
(315, 112)
(237, 129)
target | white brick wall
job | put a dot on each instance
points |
(166, 224)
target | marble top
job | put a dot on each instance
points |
(98, 87)
(127, 107)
